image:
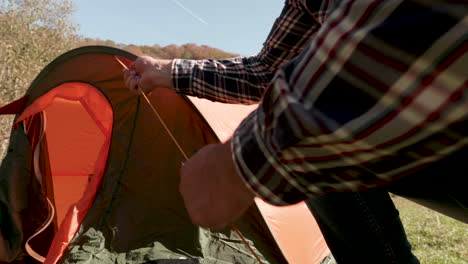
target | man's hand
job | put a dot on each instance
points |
(214, 194)
(148, 73)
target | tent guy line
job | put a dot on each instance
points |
(234, 227)
(157, 115)
(164, 125)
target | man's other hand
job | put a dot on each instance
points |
(214, 195)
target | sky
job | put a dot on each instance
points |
(237, 26)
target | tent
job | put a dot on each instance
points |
(92, 177)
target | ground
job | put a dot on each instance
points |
(436, 238)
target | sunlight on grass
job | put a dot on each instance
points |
(436, 238)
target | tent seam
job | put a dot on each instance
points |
(124, 167)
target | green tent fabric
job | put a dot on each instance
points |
(123, 162)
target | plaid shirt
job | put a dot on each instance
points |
(353, 94)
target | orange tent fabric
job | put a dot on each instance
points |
(78, 130)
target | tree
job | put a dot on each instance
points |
(32, 33)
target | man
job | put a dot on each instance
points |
(356, 98)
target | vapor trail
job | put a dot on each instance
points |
(190, 12)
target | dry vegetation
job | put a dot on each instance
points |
(34, 32)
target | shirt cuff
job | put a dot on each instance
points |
(182, 75)
(259, 167)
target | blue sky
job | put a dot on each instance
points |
(238, 26)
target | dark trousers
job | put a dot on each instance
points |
(364, 227)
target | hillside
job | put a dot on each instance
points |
(185, 51)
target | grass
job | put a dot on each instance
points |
(436, 238)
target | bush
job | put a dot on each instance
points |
(33, 33)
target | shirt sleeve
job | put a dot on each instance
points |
(244, 79)
(379, 93)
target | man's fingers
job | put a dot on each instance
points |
(134, 84)
(132, 80)
(127, 78)
(132, 66)
(139, 64)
